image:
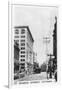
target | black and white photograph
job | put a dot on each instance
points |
(34, 43)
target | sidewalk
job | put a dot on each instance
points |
(42, 77)
(48, 80)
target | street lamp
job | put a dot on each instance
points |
(47, 41)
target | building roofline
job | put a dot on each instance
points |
(27, 29)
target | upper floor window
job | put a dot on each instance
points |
(22, 55)
(16, 36)
(22, 48)
(22, 64)
(22, 40)
(22, 44)
(23, 36)
(22, 59)
(22, 31)
(22, 51)
(16, 31)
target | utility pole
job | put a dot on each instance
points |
(46, 40)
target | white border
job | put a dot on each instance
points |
(10, 79)
(10, 45)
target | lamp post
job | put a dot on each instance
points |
(46, 40)
(51, 68)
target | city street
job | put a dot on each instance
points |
(40, 76)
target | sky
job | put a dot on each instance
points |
(41, 23)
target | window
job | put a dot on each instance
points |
(22, 51)
(23, 67)
(22, 59)
(22, 64)
(16, 36)
(22, 44)
(22, 55)
(23, 36)
(22, 40)
(22, 31)
(16, 31)
(22, 48)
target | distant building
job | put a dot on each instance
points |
(24, 37)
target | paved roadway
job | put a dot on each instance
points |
(41, 76)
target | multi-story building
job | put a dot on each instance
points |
(16, 59)
(55, 44)
(25, 40)
(53, 58)
(55, 39)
